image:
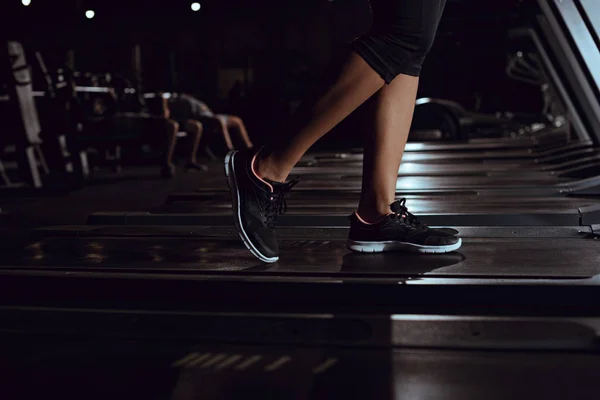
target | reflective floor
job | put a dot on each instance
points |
(523, 242)
(501, 257)
(179, 370)
(458, 204)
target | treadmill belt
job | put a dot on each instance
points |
(412, 169)
(298, 204)
(413, 183)
(503, 257)
(499, 155)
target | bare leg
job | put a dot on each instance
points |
(342, 90)
(392, 111)
(237, 123)
(224, 131)
(171, 128)
(194, 129)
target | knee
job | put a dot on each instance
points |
(195, 126)
(172, 127)
(221, 124)
(234, 120)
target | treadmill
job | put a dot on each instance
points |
(514, 219)
(183, 310)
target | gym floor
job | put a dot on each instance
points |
(135, 189)
(131, 286)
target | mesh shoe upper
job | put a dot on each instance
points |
(400, 226)
(259, 204)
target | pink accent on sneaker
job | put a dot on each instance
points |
(370, 223)
(259, 178)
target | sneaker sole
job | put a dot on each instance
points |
(237, 217)
(379, 247)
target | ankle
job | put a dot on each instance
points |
(371, 216)
(266, 168)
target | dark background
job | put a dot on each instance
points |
(273, 47)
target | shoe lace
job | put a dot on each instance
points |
(276, 203)
(401, 212)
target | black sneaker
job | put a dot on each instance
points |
(256, 204)
(399, 231)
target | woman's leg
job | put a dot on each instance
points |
(223, 130)
(402, 34)
(339, 93)
(171, 128)
(194, 129)
(170, 131)
(237, 123)
(391, 110)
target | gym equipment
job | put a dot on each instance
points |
(21, 117)
(175, 288)
(441, 119)
(59, 127)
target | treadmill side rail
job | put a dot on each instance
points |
(590, 215)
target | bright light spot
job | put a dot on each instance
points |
(410, 168)
(423, 100)
(89, 14)
(195, 6)
(26, 2)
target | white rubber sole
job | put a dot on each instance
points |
(379, 247)
(237, 217)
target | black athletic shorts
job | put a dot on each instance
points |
(402, 34)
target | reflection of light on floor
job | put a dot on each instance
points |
(214, 360)
(421, 157)
(408, 182)
(409, 385)
(327, 364)
(37, 251)
(95, 252)
(155, 253)
(183, 361)
(415, 146)
(35, 246)
(277, 364)
(229, 361)
(199, 359)
(239, 362)
(96, 246)
(248, 362)
(96, 257)
(411, 168)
